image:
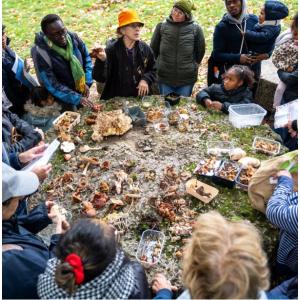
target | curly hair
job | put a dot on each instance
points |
(224, 260)
(245, 74)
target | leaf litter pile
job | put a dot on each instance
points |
(136, 180)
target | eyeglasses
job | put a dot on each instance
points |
(177, 11)
(135, 25)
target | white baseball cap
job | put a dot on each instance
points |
(17, 183)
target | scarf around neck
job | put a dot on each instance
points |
(76, 67)
(115, 282)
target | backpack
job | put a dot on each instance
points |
(35, 50)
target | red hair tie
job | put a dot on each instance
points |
(75, 261)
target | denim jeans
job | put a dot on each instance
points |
(184, 90)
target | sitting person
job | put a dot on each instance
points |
(289, 135)
(264, 34)
(62, 63)
(16, 81)
(223, 260)
(235, 89)
(282, 211)
(41, 110)
(90, 265)
(24, 254)
(285, 59)
(127, 64)
(17, 134)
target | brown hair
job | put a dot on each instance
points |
(96, 246)
(294, 25)
(224, 260)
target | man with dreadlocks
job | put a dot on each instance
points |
(62, 63)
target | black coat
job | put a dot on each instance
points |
(121, 77)
(21, 268)
(29, 137)
(216, 92)
(291, 81)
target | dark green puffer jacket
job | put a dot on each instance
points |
(179, 49)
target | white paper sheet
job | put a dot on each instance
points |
(45, 158)
(286, 112)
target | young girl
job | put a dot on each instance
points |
(42, 110)
(90, 265)
(235, 89)
(285, 59)
(126, 66)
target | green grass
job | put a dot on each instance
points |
(97, 20)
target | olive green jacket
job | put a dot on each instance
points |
(179, 49)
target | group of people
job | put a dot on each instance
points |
(223, 259)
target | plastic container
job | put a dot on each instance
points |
(137, 116)
(213, 165)
(66, 121)
(221, 180)
(244, 115)
(219, 148)
(172, 98)
(264, 149)
(150, 247)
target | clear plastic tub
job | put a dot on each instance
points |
(267, 146)
(244, 115)
(219, 148)
(150, 247)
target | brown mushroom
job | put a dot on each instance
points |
(89, 209)
(76, 197)
(99, 199)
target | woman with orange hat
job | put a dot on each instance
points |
(126, 66)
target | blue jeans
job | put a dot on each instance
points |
(184, 90)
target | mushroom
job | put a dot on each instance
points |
(76, 197)
(99, 199)
(67, 157)
(67, 147)
(104, 187)
(88, 161)
(86, 148)
(89, 209)
(237, 154)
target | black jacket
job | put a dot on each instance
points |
(29, 137)
(216, 92)
(291, 81)
(20, 268)
(121, 77)
(57, 77)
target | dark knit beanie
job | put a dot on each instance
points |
(185, 5)
(275, 10)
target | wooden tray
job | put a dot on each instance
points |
(193, 184)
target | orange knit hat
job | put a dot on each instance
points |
(128, 16)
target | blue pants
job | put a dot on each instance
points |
(184, 90)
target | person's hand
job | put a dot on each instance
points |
(98, 52)
(246, 59)
(86, 92)
(40, 131)
(161, 282)
(216, 105)
(49, 204)
(291, 131)
(32, 153)
(42, 172)
(59, 220)
(259, 57)
(143, 88)
(290, 69)
(207, 103)
(86, 102)
(284, 173)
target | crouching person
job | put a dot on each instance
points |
(24, 254)
(90, 265)
(223, 260)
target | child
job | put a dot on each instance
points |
(263, 37)
(42, 110)
(235, 89)
(90, 265)
(285, 59)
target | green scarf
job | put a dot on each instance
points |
(76, 67)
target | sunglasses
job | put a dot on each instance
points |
(135, 25)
